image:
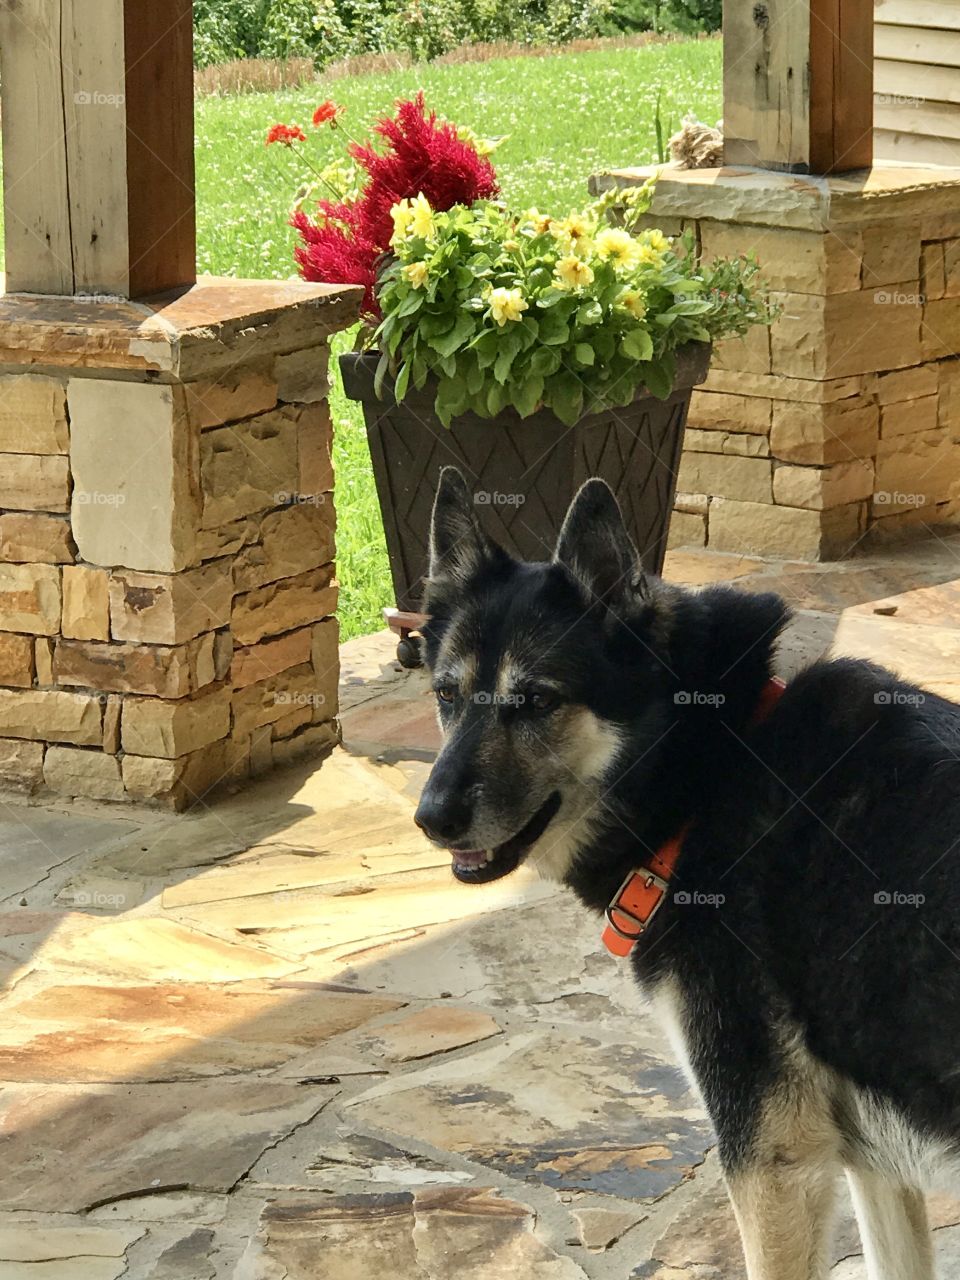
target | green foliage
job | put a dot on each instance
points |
(572, 314)
(329, 29)
(678, 17)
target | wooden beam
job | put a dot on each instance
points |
(798, 84)
(98, 146)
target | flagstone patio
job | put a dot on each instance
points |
(274, 1040)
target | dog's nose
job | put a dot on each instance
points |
(443, 818)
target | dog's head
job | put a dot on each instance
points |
(541, 671)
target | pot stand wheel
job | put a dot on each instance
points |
(407, 626)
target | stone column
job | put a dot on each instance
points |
(167, 584)
(842, 420)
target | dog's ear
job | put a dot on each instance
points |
(459, 548)
(595, 547)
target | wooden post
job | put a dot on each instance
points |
(798, 84)
(98, 171)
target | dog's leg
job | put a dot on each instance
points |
(894, 1229)
(785, 1214)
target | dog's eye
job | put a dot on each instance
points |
(447, 693)
(543, 701)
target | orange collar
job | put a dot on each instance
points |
(644, 891)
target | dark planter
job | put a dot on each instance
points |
(526, 469)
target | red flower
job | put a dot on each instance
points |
(287, 134)
(327, 113)
(421, 155)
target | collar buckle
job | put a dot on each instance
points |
(632, 909)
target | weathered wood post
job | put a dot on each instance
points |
(798, 84)
(167, 583)
(98, 145)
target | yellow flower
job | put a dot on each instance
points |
(507, 304)
(574, 228)
(416, 273)
(619, 246)
(633, 301)
(422, 217)
(656, 240)
(574, 272)
(402, 215)
(540, 222)
(647, 253)
(511, 246)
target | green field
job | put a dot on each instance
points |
(567, 116)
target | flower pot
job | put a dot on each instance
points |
(523, 471)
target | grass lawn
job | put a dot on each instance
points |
(567, 116)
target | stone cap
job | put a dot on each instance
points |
(803, 202)
(174, 336)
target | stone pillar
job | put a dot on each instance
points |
(167, 584)
(842, 420)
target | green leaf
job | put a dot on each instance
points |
(637, 345)
(403, 380)
(383, 364)
(545, 361)
(658, 379)
(528, 395)
(447, 343)
(554, 330)
(509, 346)
(584, 353)
(411, 303)
(590, 312)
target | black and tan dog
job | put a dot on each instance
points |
(782, 870)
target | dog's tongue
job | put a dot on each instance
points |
(470, 858)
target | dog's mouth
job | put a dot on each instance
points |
(480, 866)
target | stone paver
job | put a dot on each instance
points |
(275, 1038)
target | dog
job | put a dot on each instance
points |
(779, 864)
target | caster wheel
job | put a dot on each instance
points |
(408, 653)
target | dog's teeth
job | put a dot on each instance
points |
(488, 855)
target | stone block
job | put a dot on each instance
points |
(792, 532)
(941, 328)
(112, 708)
(43, 660)
(33, 414)
(177, 784)
(907, 416)
(16, 660)
(736, 444)
(748, 479)
(260, 661)
(226, 539)
(21, 764)
(270, 700)
(74, 772)
(948, 408)
(34, 482)
(908, 384)
(152, 727)
(314, 452)
(286, 726)
(719, 411)
(325, 656)
(222, 654)
(687, 530)
(696, 504)
(847, 333)
(790, 260)
(933, 281)
(159, 608)
(293, 540)
(30, 598)
(891, 254)
(951, 268)
(820, 487)
(213, 402)
(34, 538)
(51, 715)
(249, 466)
(917, 470)
(159, 671)
(823, 433)
(780, 386)
(135, 461)
(302, 376)
(283, 606)
(86, 603)
(314, 740)
(203, 652)
(750, 353)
